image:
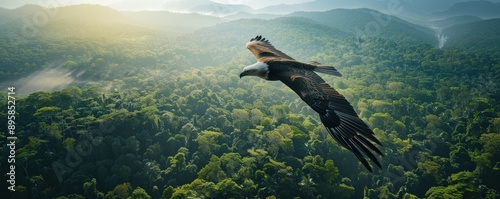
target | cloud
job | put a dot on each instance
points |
(48, 79)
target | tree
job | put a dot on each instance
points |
(431, 169)
(24, 154)
(241, 118)
(461, 160)
(140, 193)
(227, 188)
(207, 142)
(167, 192)
(492, 144)
(151, 119)
(177, 165)
(122, 191)
(381, 120)
(299, 143)
(197, 189)
(90, 190)
(307, 186)
(47, 112)
(255, 116)
(69, 144)
(464, 184)
(231, 164)
(345, 189)
(212, 172)
(280, 112)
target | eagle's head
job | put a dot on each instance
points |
(259, 69)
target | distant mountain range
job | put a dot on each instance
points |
(206, 7)
(218, 9)
(174, 22)
(93, 20)
(81, 19)
(320, 5)
(247, 15)
(434, 15)
(134, 5)
(423, 9)
(370, 23)
(418, 12)
(482, 9)
(452, 21)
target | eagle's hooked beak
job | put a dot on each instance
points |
(244, 73)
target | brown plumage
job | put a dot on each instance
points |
(336, 114)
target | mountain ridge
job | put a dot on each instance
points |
(166, 20)
(367, 22)
(356, 22)
(483, 9)
(481, 36)
(205, 7)
(452, 21)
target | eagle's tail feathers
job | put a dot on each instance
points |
(330, 70)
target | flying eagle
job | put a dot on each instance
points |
(337, 115)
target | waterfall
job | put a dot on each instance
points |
(440, 36)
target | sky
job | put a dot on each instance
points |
(156, 4)
(261, 3)
(11, 4)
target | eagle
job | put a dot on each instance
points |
(335, 112)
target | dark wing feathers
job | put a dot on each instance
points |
(260, 38)
(355, 134)
(336, 114)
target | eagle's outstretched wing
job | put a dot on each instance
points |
(264, 51)
(335, 112)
